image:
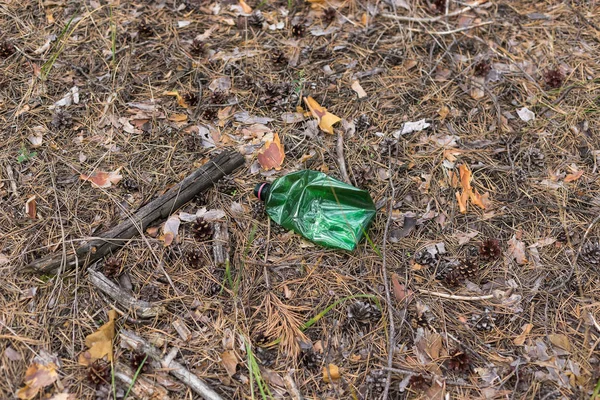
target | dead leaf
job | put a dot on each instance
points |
(30, 207)
(272, 154)
(358, 89)
(477, 85)
(331, 371)
(12, 354)
(180, 99)
(64, 396)
(573, 177)
(37, 377)
(560, 341)
(229, 361)
(325, 118)
(435, 391)
(170, 230)
(516, 250)
(519, 340)
(272, 377)
(245, 7)
(102, 179)
(401, 293)
(99, 343)
(468, 193)
(178, 117)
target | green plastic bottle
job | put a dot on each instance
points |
(320, 208)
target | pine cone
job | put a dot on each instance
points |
(112, 267)
(364, 175)
(99, 372)
(484, 322)
(419, 383)
(144, 29)
(194, 258)
(150, 293)
(590, 253)
(218, 98)
(277, 230)
(490, 249)
(376, 381)
(468, 270)
(329, 15)
(226, 185)
(276, 95)
(6, 49)
(459, 362)
(298, 30)
(258, 210)
(447, 270)
(197, 48)
(482, 68)
(202, 229)
(554, 78)
(472, 252)
(388, 146)
(210, 114)
(61, 120)
(424, 257)
(279, 57)
(362, 123)
(363, 313)
(129, 185)
(311, 359)
(137, 359)
(256, 19)
(190, 98)
(536, 158)
(438, 6)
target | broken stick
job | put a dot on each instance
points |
(160, 208)
(176, 369)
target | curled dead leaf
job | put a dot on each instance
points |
(331, 371)
(30, 207)
(325, 118)
(37, 377)
(520, 340)
(170, 230)
(516, 250)
(102, 179)
(99, 343)
(573, 177)
(272, 154)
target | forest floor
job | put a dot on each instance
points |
(474, 127)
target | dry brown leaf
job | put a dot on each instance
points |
(179, 98)
(30, 207)
(516, 250)
(272, 154)
(102, 179)
(64, 396)
(178, 117)
(325, 118)
(519, 340)
(272, 377)
(561, 341)
(229, 361)
(332, 371)
(468, 193)
(245, 7)
(435, 392)
(400, 291)
(37, 377)
(573, 177)
(170, 230)
(100, 343)
(359, 89)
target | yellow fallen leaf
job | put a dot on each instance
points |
(561, 341)
(468, 193)
(178, 117)
(37, 377)
(332, 371)
(520, 340)
(180, 99)
(229, 361)
(99, 343)
(359, 89)
(574, 176)
(325, 118)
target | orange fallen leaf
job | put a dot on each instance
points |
(325, 118)
(520, 340)
(359, 89)
(331, 371)
(99, 343)
(180, 99)
(400, 291)
(103, 179)
(229, 361)
(574, 176)
(37, 377)
(178, 117)
(272, 154)
(245, 7)
(468, 193)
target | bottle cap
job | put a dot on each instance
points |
(261, 190)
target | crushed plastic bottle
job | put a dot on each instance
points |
(322, 209)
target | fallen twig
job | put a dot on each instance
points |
(340, 155)
(434, 19)
(176, 369)
(456, 297)
(142, 387)
(142, 309)
(291, 387)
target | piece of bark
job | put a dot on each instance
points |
(221, 243)
(174, 368)
(160, 208)
(142, 388)
(142, 309)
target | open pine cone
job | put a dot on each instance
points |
(459, 361)
(590, 253)
(99, 372)
(363, 313)
(112, 267)
(6, 49)
(137, 359)
(490, 249)
(202, 229)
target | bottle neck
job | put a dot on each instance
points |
(262, 191)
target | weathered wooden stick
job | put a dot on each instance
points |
(160, 208)
(176, 369)
(142, 388)
(142, 309)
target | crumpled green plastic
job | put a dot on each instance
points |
(322, 209)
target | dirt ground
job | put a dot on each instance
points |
(474, 127)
